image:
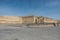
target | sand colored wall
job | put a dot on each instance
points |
(28, 19)
(49, 20)
(58, 21)
(20, 20)
(25, 19)
(40, 20)
(3, 19)
(10, 19)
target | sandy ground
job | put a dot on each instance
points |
(25, 33)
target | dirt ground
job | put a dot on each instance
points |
(25, 33)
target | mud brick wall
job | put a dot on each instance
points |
(25, 19)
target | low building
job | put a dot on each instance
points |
(25, 19)
(49, 20)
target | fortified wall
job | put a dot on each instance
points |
(25, 19)
(10, 19)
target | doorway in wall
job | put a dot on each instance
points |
(35, 21)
